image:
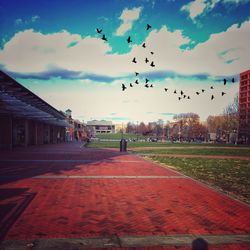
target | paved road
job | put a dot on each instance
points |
(68, 197)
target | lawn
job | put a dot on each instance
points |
(116, 144)
(229, 175)
(199, 151)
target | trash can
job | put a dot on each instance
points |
(123, 145)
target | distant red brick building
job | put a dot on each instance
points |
(244, 106)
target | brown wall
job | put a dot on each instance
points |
(5, 132)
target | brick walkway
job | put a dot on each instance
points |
(68, 197)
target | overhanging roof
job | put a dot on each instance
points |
(20, 102)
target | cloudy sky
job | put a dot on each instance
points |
(52, 48)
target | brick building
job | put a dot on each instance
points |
(244, 107)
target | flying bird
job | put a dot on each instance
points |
(136, 81)
(123, 87)
(197, 93)
(152, 64)
(129, 40)
(188, 97)
(175, 92)
(104, 38)
(134, 60)
(136, 73)
(146, 80)
(146, 60)
(212, 97)
(166, 89)
(225, 81)
(99, 31)
(179, 98)
(149, 26)
(131, 85)
(146, 85)
(233, 80)
(144, 45)
(203, 90)
(182, 92)
(223, 93)
(211, 87)
(184, 96)
(152, 52)
(151, 86)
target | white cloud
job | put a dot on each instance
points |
(34, 18)
(194, 8)
(128, 17)
(18, 21)
(34, 52)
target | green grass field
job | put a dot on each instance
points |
(116, 144)
(199, 151)
(229, 175)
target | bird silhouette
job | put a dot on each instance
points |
(225, 81)
(99, 31)
(211, 87)
(182, 92)
(203, 90)
(188, 97)
(152, 64)
(146, 85)
(149, 26)
(179, 98)
(184, 96)
(166, 89)
(152, 52)
(136, 81)
(151, 86)
(123, 87)
(134, 60)
(197, 93)
(144, 45)
(129, 40)
(146, 60)
(104, 38)
(146, 80)
(175, 92)
(223, 93)
(136, 73)
(212, 97)
(131, 85)
(233, 80)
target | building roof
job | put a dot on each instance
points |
(99, 123)
(18, 101)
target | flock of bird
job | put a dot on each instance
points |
(180, 94)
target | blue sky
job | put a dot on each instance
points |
(52, 48)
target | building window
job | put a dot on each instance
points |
(243, 83)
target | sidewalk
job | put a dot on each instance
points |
(68, 197)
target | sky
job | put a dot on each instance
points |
(53, 49)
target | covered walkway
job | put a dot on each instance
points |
(26, 119)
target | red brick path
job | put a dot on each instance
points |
(80, 207)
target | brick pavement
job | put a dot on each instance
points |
(67, 192)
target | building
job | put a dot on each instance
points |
(102, 126)
(244, 107)
(25, 118)
(76, 131)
